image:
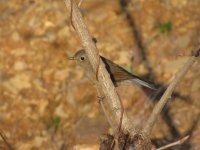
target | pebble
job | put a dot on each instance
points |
(20, 65)
(19, 52)
(64, 32)
(34, 22)
(61, 112)
(124, 57)
(49, 37)
(61, 75)
(16, 36)
(173, 66)
(182, 42)
(86, 147)
(17, 83)
(179, 3)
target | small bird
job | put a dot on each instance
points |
(118, 74)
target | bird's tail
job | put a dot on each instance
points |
(144, 83)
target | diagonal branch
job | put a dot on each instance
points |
(179, 142)
(104, 80)
(5, 140)
(167, 95)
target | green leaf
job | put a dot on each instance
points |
(165, 27)
(55, 122)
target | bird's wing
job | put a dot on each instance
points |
(119, 74)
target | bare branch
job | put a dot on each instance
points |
(104, 80)
(5, 140)
(80, 2)
(179, 142)
(167, 95)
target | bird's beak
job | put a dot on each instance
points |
(71, 58)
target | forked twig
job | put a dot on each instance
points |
(104, 80)
(167, 95)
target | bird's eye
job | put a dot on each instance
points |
(82, 58)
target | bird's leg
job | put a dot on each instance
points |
(100, 99)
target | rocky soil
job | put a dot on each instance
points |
(47, 103)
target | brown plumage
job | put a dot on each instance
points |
(117, 73)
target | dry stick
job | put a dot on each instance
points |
(80, 2)
(104, 79)
(179, 142)
(167, 95)
(4, 139)
(70, 12)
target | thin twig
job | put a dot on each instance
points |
(104, 82)
(70, 12)
(179, 142)
(5, 140)
(80, 2)
(167, 95)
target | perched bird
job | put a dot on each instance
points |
(118, 74)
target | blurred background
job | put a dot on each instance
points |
(47, 103)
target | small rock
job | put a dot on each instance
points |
(123, 58)
(195, 86)
(38, 84)
(49, 37)
(61, 112)
(41, 104)
(16, 36)
(49, 24)
(37, 142)
(174, 65)
(86, 147)
(61, 75)
(179, 3)
(20, 65)
(64, 33)
(19, 52)
(17, 83)
(183, 42)
(34, 22)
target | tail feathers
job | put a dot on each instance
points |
(144, 83)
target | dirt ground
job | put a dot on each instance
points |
(46, 103)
